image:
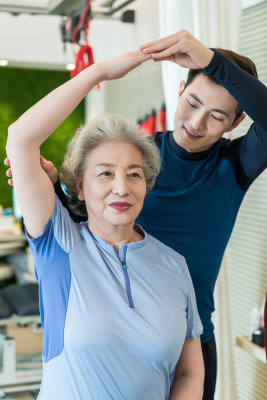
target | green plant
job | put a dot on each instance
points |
(19, 90)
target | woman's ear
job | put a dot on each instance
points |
(79, 187)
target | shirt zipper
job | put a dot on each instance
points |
(126, 276)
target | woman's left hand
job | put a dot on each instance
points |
(120, 66)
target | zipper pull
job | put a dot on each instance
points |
(123, 265)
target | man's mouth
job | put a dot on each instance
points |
(191, 135)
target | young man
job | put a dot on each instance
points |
(204, 177)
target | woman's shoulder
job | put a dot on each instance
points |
(65, 230)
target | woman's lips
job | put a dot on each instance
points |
(191, 135)
(119, 206)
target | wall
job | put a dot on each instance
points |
(122, 37)
(32, 40)
(246, 255)
(35, 39)
(35, 42)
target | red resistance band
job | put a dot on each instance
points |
(84, 58)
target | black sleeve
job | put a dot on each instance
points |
(251, 94)
(63, 198)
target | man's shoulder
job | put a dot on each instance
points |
(158, 137)
(230, 147)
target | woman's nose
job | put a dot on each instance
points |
(120, 186)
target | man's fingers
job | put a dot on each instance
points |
(170, 51)
(42, 161)
(9, 173)
(6, 162)
(46, 165)
(158, 41)
(159, 45)
(163, 59)
(10, 182)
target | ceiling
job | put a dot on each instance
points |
(100, 8)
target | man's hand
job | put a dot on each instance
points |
(120, 66)
(47, 166)
(181, 48)
(8, 172)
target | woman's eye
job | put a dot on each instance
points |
(135, 175)
(105, 173)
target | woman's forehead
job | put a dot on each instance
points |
(115, 152)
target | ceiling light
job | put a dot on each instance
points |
(70, 67)
(4, 63)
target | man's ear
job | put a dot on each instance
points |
(181, 88)
(79, 187)
(237, 122)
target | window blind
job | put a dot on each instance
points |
(137, 94)
(246, 254)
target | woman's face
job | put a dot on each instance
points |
(113, 186)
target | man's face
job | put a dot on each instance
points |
(204, 113)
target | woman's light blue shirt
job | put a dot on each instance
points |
(98, 345)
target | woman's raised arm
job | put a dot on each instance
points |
(34, 190)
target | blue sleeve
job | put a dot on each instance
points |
(50, 252)
(251, 95)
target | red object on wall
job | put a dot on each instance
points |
(161, 120)
(151, 123)
(84, 58)
(155, 122)
(143, 124)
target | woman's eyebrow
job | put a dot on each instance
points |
(131, 166)
(104, 164)
(135, 166)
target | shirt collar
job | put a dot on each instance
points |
(184, 154)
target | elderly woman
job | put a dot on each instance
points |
(117, 306)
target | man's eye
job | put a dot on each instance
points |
(191, 105)
(216, 118)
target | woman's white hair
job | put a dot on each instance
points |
(110, 127)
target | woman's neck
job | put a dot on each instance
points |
(118, 236)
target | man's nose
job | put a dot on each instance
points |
(198, 120)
